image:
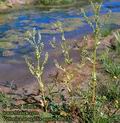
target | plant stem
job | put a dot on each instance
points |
(94, 83)
(43, 92)
(94, 74)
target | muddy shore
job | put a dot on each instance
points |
(16, 71)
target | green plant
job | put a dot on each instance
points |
(106, 31)
(112, 67)
(55, 2)
(111, 93)
(64, 44)
(84, 52)
(65, 50)
(53, 43)
(36, 68)
(90, 111)
(5, 102)
(96, 27)
(117, 36)
(2, 1)
(96, 31)
(68, 77)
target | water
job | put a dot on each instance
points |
(14, 25)
(24, 20)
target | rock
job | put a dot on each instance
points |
(19, 102)
(5, 89)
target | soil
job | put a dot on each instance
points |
(19, 74)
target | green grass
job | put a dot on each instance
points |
(55, 2)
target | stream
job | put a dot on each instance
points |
(14, 25)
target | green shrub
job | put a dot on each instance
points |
(55, 2)
(111, 66)
(117, 36)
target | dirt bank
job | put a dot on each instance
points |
(17, 71)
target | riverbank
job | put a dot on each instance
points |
(21, 76)
(9, 7)
(75, 77)
(27, 92)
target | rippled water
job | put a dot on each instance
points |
(17, 23)
(14, 25)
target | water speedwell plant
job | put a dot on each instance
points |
(64, 45)
(96, 27)
(37, 67)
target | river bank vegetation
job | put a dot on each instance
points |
(86, 91)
